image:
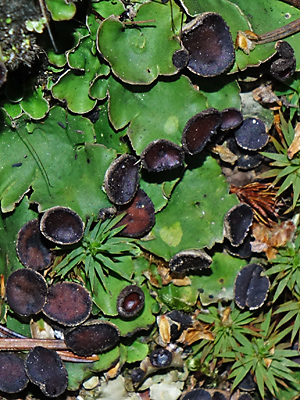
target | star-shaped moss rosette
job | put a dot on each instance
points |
(99, 253)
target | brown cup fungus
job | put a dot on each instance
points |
(252, 135)
(130, 301)
(107, 213)
(180, 58)
(237, 223)
(26, 291)
(247, 162)
(121, 180)
(218, 396)
(92, 338)
(209, 43)
(245, 396)
(32, 248)
(137, 375)
(284, 67)
(139, 216)
(197, 394)
(61, 225)
(45, 369)
(162, 155)
(247, 384)
(177, 322)
(68, 303)
(243, 250)
(160, 358)
(231, 118)
(13, 378)
(251, 288)
(189, 260)
(199, 130)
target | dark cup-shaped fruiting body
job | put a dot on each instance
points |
(130, 301)
(160, 358)
(107, 213)
(121, 180)
(197, 394)
(13, 378)
(218, 396)
(245, 396)
(251, 288)
(180, 58)
(252, 135)
(199, 130)
(32, 248)
(45, 369)
(68, 303)
(231, 119)
(162, 155)
(137, 375)
(92, 338)
(284, 67)
(237, 222)
(243, 250)
(189, 260)
(26, 291)
(209, 43)
(61, 225)
(284, 49)
(139, 216)
(248, 384)
(249, 161)
(178, 321)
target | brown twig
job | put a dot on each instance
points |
(13, 341)
(139, 22)
(28, 343)
(279, 33)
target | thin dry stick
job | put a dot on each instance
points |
(138, 22)
(27, 344)
(13, 341)
(69, 356)
(8, 333)
(43, 9)
(279, 33)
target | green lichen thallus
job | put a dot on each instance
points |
(37, 159)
